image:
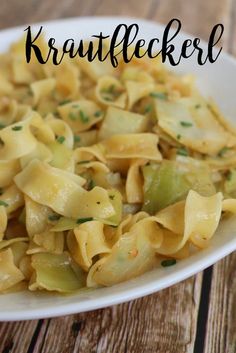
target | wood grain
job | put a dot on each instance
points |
(232, 32)
(221, 326)
(16, 336)
(138, 326)
(165, 322)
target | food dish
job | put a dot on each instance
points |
(110, 146)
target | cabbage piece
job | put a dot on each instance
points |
(56, 273)
(9, 273)
(230, 183)
(170, 182)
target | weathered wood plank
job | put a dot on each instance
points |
(197, 17)
(221, 325)
(232, 26)
(163, 322)
(16, 336)
(14, 13)
(132, 8)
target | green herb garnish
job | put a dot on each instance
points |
(60, 139)
(65, 101)
(148, 109)
(109, 89)
(222, 151)
(111, 197)
(1, 191)
(229, 176)
(178, 136)
(159, 95)
(3, 203)
(186, 124)
(107, 99)
(98, 113)
(169, 262)
(73, 116)
(16, 128)
(77, 138)
(83, 117)
(182, 151)
(197, 106)
(54, 217)
(2, 126)
(83, 162)
(91, 184)
(83, 220)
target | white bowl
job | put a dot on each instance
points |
(217, 80)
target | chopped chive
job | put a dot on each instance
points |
(3, 203)
(65, 101)
(83, 220)
(111, 197)
(84, 118)
(169, 262)
(111, 88)
(73, 116)
(222, 151)
(148, 109)
(98, 113)
(54, 217)
(16, 128)
(1, 191)
(186, 124)
(107, 99)
(159, 95)
(60, 139)
(77, 138)
(83, 162)
(91, 184)
(229, 176)
(182, 151)
(197, 106)
(178, 136)
(2, 126)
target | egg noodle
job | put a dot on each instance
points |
(105, 172)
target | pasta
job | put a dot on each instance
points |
(95, 164)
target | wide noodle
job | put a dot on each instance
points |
(106, 173)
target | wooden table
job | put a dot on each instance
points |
(197, 315)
